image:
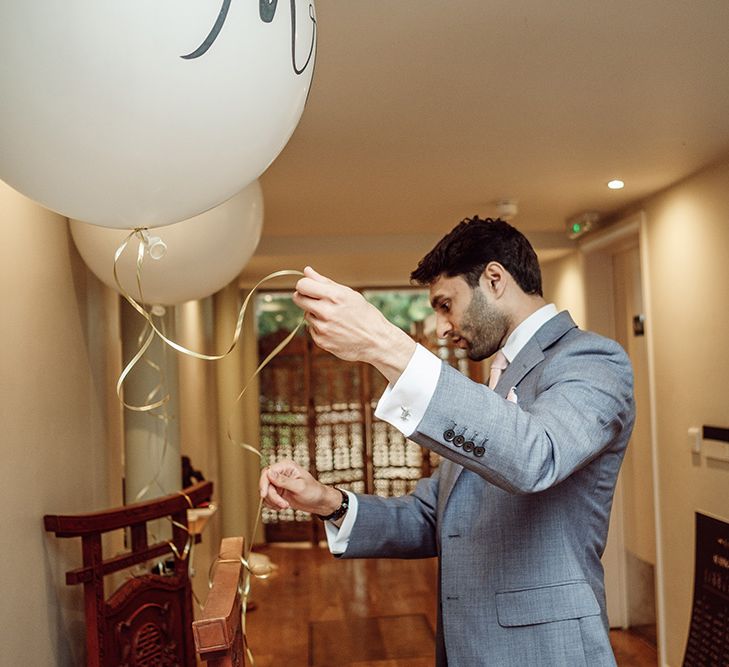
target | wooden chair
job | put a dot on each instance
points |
(219, 632)
(147, 620)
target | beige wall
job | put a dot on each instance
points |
(563, 285)
(688, 255)
(53, 447)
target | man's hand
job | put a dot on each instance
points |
(286, 484)
(342, 322)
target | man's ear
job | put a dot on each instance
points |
(493, 279)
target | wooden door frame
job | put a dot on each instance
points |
(597, 279)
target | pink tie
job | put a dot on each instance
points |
(498, 365)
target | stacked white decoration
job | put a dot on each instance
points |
(138, 114)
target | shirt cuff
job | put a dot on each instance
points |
(338, 538)
(403, 404)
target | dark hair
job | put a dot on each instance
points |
(471, 245)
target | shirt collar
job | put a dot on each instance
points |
(521, 335)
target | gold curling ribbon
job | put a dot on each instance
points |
(190, 542)
(244, 591)
(180, 348)
(147, 315)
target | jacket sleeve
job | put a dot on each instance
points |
(582, 406)
(403, 527)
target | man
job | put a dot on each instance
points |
(518, 510)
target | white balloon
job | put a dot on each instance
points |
(201, 256)
(141, 113)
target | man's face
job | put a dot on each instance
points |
(467, 316)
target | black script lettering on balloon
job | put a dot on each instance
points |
(267, 11)
(213, 35)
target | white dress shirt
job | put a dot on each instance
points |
(403, 404)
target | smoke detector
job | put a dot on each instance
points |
(506, 209)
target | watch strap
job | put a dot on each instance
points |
(340, 511)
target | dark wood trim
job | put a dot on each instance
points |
(77, 525)
(83, 574)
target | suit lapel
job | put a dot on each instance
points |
(533, 352)
(529, 356)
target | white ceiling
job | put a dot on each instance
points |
(422, 113)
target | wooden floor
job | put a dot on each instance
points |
(317, 611)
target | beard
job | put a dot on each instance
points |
(483, 327)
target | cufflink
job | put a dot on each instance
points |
(404, 413)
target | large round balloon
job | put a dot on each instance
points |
(141, 113)
(202, 254)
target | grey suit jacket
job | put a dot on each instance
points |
(520, 521)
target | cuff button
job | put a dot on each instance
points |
(459, 440)
(479, 451)
(468, 446)
(449, 434)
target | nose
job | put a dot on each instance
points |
(442, 326)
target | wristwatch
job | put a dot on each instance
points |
(340, 511)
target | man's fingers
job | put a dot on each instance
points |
(267, 492)
(263, 483)
(309, 272)
(275, 500)
(287, 483)
(307, 303)
(317, 289)
(271, 478)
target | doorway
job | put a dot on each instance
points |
(617, 307)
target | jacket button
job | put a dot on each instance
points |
(459, 440)
(468, 446)
(479, 451)
(449, 434)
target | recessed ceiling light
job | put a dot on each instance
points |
(616, 184)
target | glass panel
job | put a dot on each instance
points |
(276, 311)
(401, 307)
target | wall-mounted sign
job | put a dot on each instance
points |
(708, 641)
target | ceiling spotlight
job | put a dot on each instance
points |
(507, 208)
(616, 184)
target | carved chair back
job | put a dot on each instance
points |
(146, 622)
